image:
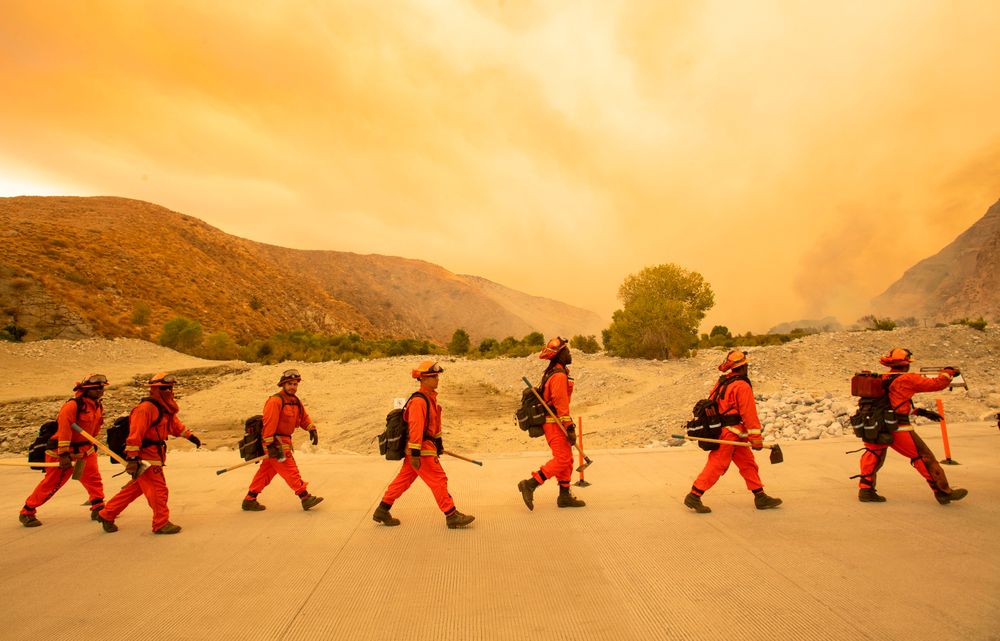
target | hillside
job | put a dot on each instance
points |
(960, 281)
(114, 267)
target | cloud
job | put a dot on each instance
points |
(554, 149)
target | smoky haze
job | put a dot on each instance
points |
(800, 156)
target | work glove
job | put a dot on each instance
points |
(415, 459)
(439, 445)
(934, 416)
(64, 461)
(314, 437)
(132, 467)
(194, 439)
(571, 434)
(951, 371)
(275, 450)
(756, 444)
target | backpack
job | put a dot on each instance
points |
(392, 441)
(707, 421)
(118, 432)
(251, 445)
(46, 438)
(876, 419)
(530, 416)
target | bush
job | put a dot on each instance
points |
(979, 323)
(220, 346)
(488, 345)
(181, 334)
(12, 332)
(874, 323)
(460, 342)
(534, 339)
(586, 344)
(141, 314)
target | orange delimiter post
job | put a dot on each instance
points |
(579, 447)
(944, 431)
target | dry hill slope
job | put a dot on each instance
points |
(76, 267)
(960, 281)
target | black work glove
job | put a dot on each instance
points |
(274, 450)
(953, 372)
(314, 437)
(571, 434)
(934, 416)
(415, 459)
(132, 467)
(194, 439)
(64, 461)
(439, 445)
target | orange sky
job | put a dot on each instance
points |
(800, 155)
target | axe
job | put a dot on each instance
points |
(27, 464)
(459, 456)
(776, 455)
(78, 469)
(586, 459)
(243, 464)
(107, 450)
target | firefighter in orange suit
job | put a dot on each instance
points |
(84, 409)
(151, 421)
(557, 389)
(902, 386)
(735, 398)
(283, 413)
(424, 445)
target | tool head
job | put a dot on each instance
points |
(586, 463)
(776, 454)
(78, 469)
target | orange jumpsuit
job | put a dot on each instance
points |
(737, 399)
(901, 391)
(90, 417)
(282, 414)
(422, 431)
(147, 439)
(556, 393)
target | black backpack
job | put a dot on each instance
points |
(530, 416)
(252, 445)
(707, 421)
(46, 438)
(392, 441)
(876, 419)
(118, 432)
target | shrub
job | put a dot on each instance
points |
(181, 334)
(220, 346)
(586, 344)
(459, 343)
(12, 332)
(141, 313)
(979, 323)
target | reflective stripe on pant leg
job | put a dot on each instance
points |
(715, 467)
(433, 475)
(560, 466)
(872, 460)
(747, 465)
(404, 479)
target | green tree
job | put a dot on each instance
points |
(220, 346)
(586, 344)
(662, 307)
(534, 339)
(181, 334)
(459, 343)
(720, 330)
(488, 345)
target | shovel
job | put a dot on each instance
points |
(776, 455)
(586, 459)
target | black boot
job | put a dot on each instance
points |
(310, 500)
(527, 488)
(382, 515)
(568, 500)
(29, 520)
(456, 520)
(944, 498)
(764, 502)
(252, 505)
(869, 495)
(693, 501)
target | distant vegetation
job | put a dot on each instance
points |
(720, 336)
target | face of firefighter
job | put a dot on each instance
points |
(430, 381)
(94, 393)
(290, 387)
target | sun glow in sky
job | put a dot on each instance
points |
(799, 155)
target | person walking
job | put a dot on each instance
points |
(150, 422)
(69, 448)
(901, 385)
(425, 444)
(734, 395)
(557, 389)
(283, 413)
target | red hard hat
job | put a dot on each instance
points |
(897, 357)
(289, 375)
(162, 379)
(552, 348)
(426, 368)
(92, 381)
(735, 358)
